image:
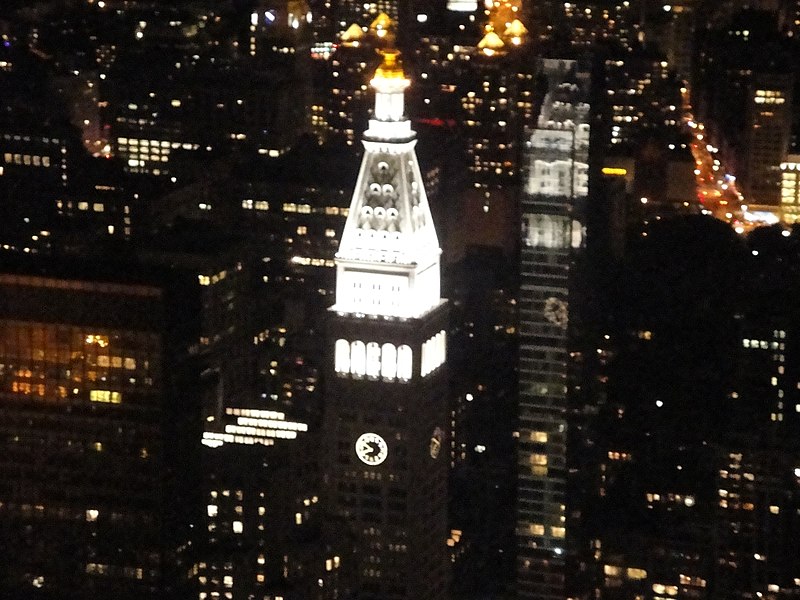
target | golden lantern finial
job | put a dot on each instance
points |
(391, 67)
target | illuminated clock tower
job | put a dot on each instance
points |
(386, 408)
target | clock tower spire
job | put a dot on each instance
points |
(388, 259)
(386, 402)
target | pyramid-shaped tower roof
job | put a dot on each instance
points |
(515, 29)
(353, 34)
(491, 41)
(381, 24)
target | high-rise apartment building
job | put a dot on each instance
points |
(642, 98)
(91, 436)
(790, 189)
(386, 407)
(767, 134)
(591, 22)
(361, 13)
(346, 102)
(678, 37)
(496, 92)
(556, 183)
(755, 513)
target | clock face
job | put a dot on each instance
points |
(557, 312)
(371, 449)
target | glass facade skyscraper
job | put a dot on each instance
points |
(556, 184)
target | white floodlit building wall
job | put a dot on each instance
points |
(388, 258)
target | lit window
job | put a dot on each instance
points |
(105, 396)
(342, 356)
(373, 359)
(358, 358)
(633, 573)
(213, 510)
(388, 361)
(238, 527)
(404, 362)
(538, 459)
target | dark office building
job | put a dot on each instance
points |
(94, 401)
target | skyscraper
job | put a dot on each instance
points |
(767, 137)
(556, 183)
(90, 385)
(386, 410)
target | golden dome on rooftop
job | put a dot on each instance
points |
(353, 35)
(515, 29)
(381, 23)
(491, 41)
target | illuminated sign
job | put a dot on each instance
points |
(614, 171)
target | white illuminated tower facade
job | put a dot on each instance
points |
(386, 408)
(552, 206)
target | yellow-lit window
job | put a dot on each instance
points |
(105, 396)
(539, 437)
(611, 570)
(538, 459)
(633, 573)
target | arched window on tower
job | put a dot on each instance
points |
(388, 361)
(404, 362)
(358, 358)
(341, 362)
(373, 359)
